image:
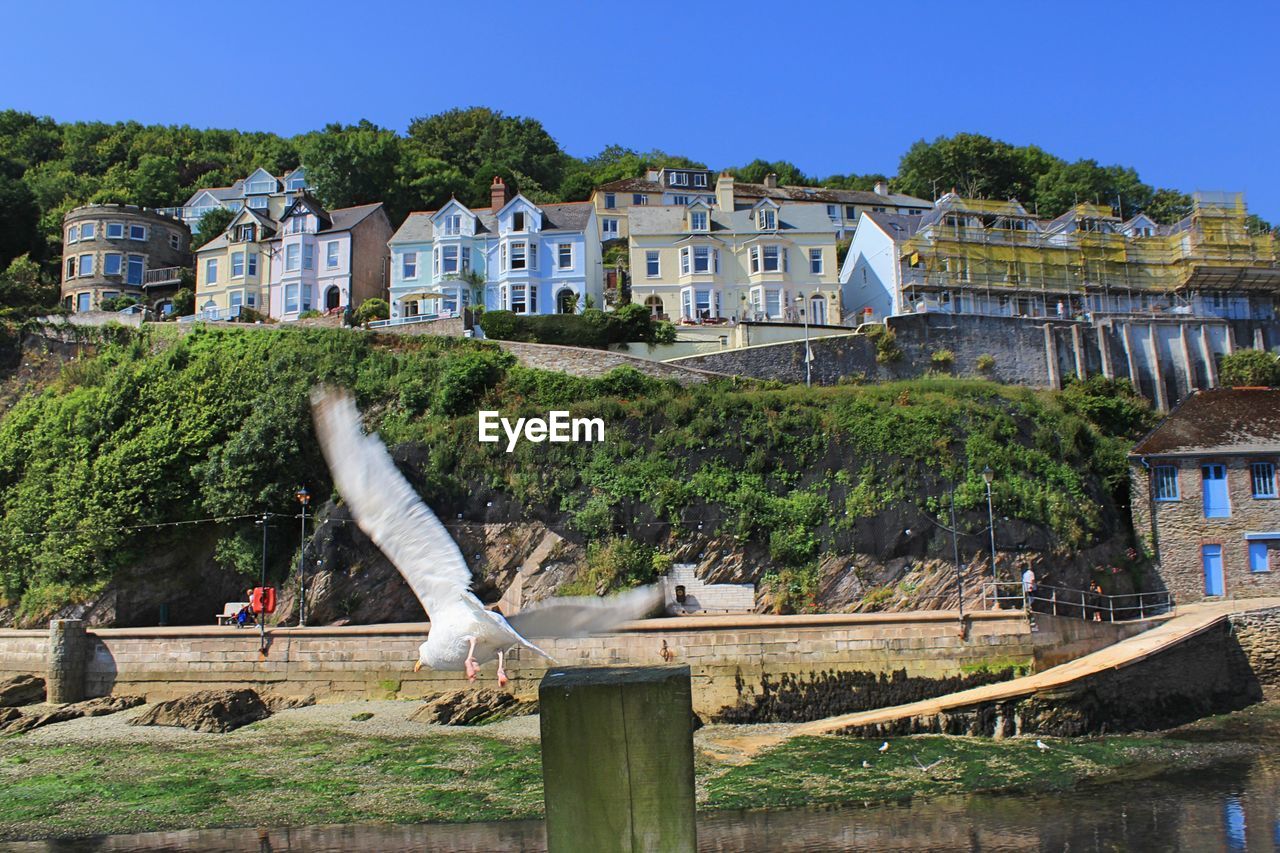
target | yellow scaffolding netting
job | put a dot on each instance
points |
(975, 243)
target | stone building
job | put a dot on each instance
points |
(1204, 494)
(111, 250)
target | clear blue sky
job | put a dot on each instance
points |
(1185, 93)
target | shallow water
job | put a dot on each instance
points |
(1234, 806)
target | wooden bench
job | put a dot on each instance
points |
(229, 611)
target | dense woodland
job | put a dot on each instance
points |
(47, 167)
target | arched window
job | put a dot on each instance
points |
(655, 306)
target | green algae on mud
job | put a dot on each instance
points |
(290, 779)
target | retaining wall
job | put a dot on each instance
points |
(1258, 633)
(726, 653)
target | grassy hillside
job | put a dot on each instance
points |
(215, 425)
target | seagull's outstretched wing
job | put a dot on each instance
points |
(386, 507)
(579, 616)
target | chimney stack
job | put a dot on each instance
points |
(882, 187)
(498, 197)
(771, 181)
(724, 192)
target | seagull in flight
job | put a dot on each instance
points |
(464, 635)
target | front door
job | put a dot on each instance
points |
(332, 297)
(1212, 557)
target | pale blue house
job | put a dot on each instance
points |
(513, 256)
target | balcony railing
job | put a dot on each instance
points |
(161, 276)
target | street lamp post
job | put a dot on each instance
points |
(808, 372)
(987, 477)
(262, 617)
(304, 498)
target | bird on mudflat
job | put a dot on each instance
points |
(884, 747)
(1042, 746)
(463, 635)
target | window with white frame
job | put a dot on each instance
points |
(73, 234)
(112, 263)
(609, 228)
(448, 260)
(137, 232)
(519, 260)
(766, 219)
(292, 257)
(680, 179)
(502, 258)
(409, 265)
(1264, 479)
(773, 302)
(251, 299)
(639, 199)
(702, 259)
(211, 271)
(517, 220)
(305, 295)
(850, 212)
(610, 201)
(753, 255)
(684, 260)
(682, 200)
(251, 269)
(770, 261)
(86, 265)
(700, 179)
(697, 220)
(261, 187)
(291, 298)
(71, 267)
(259, 203)
(1164, 480)
(533, 256)
(564, 256)
(652, 264)
(136, 266)
(236, 298)
(331, 255)
(237, 264)
(308, 256)
(833, 212)
(115, 230)
(464, 256)
(88, 231)
(815, 261)
(453, 224)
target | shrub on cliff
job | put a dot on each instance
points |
(1250, 367)
(591, 328)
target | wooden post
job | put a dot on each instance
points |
(617, 759)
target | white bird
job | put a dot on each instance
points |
(884, 747)
(866, 763)
(1042, 746)
(463, 633)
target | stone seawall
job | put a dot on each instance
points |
(728, 654)
(1258, 633)
(592, 363)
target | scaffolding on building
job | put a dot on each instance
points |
(998, 249)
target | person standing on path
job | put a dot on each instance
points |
(1028, 587)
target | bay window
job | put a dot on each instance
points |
(111, 263)
(133, 274)
(291, 299)
(308, 256)
(684, 261)
(518, 259)
(449, 260)
(237, 264)
(770, 259)
(292, 253)
(86, 265)
(251, 267)
(702, 259)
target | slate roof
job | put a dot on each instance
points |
(1221, 420)
(899, 226)
(562, 217)
(827, 195)
(670, 219)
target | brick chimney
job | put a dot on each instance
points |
(882, 187)
(724, 192)
(771, 181)
(498, 196)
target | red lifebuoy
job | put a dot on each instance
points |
(263, 599)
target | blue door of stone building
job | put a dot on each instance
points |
(1216, 502)
(1212, 555)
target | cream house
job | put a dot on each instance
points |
(233, 270)
(767, 262)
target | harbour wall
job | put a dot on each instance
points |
(727, 654)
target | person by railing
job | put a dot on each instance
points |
(1091, 604)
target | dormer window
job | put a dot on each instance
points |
(517, 221)
(700, 179)
(296, 184)
(697, 220)
(639, 198)
(244, 234)
(453, 225)
(680, 179)
(260, 187)
(766, 219)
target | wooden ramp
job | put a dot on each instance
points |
(1189, 621)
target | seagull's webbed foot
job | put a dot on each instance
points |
(502, 672)
(470, 664)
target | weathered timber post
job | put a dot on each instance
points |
(617, 759)
(67, 650)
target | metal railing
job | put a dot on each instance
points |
(162, 275)
(1076, 603)
(403, 321)
(213, 315)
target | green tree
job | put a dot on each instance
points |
(1084, 181)
(353, 164)
(756, 171)
(1250, 368)
(1168, 206)
(19, 215)
(211, 225)
(23, 285)
(184, 302)
(974, 166)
